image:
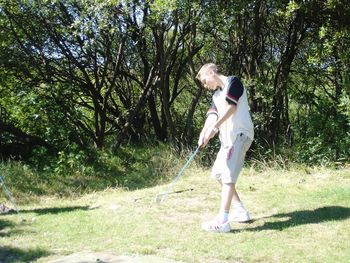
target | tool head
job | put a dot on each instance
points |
(159, 198)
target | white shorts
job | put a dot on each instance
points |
(229, 160)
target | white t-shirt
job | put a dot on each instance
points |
(240, 121)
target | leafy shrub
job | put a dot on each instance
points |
(75, 171)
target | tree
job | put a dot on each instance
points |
(74, 49)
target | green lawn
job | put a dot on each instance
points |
(299, 215)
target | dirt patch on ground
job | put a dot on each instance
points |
(90, 257)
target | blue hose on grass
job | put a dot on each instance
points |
(161, 197)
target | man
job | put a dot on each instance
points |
(229, 115)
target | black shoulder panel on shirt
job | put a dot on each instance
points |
(235, 90)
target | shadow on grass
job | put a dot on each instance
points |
(56, 210)
(3, 225)
(12, 254)
(304, 217)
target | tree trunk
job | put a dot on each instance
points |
(280, 107)
(158, 129)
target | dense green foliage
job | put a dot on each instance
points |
(75, 172)
(77, 76)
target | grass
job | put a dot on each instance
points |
(300, 214)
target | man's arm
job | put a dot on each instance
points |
(235, 91)
(212, 116)
(209, 122)
(213, 127)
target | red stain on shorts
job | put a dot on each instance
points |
(229, 154)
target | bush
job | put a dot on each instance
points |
(75, 171)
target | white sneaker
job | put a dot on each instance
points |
(239, 215)
(216, 226)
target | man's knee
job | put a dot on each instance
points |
(231, 185)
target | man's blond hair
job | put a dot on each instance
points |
(205, 69)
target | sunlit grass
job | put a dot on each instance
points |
(299, 215)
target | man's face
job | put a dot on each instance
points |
(208, 80)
